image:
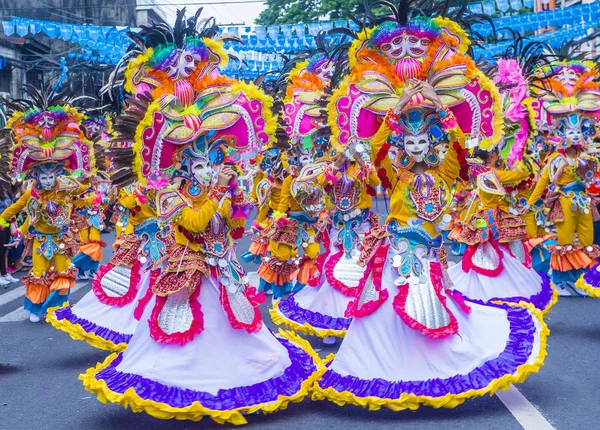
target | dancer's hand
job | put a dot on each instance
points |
(340, 160)
(429, 93)
(411, 88)
(225, 176)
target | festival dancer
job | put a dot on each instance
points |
(108, 315)
(572, 102)
(425, 344)
(318, 310)
(200, 348)
(297, 221)
(90, 208)
(266, 192)
(49, 147)
(496, 264)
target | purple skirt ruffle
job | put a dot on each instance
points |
(541, 300)
(592, 277)
(517, 352)
(90, 327)
(288, 384)
(290, 309)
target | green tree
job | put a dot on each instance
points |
(295, 11)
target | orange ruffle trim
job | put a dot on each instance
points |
(308, 270)
(572, 261)
(92, 250)
(37, 293)
(269, 275)
(62, 284)
(257, 248)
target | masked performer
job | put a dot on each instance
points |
(49, 147)
(272, 168)
(301, 199)
(413, 341)
(200, 348)
(496, 264)
(572, 102)
(319, 309)
(90, 209)
(108, 315)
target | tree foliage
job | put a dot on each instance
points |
(295, 11)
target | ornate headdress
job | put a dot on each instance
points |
(182, 101)
(571, 96)
(46, 134)
(409, 45)
(514, 75)
(308, 92)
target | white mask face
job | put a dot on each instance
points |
(417, 146)
(568, 77)
(47, 180)
(325, 71)
(416, 46)
(186, 64)
(405, 45)
(574, 136)
(395, 49)
(203, 172)
(442, 150)
(46, 121)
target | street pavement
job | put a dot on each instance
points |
(39, 388)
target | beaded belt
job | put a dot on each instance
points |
(153, 239)
(412, 246)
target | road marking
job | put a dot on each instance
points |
(12, 295)
(21, 314)
(525, 413)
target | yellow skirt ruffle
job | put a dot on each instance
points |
(78, 333)
(305, 328)
(413, 402)
(196, 411)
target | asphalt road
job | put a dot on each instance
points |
(39, 388)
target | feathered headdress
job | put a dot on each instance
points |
(180, 99)
(47, 129)
(416, 40)
(515, 75)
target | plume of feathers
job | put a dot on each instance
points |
(160, 33)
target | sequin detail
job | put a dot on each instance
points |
(115, 283)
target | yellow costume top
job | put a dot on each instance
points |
(558, 171)
(35, 206)
(138, 212)
(407, 188)
(490, 191)
(286, 201)
(193, 218)
(354, 172)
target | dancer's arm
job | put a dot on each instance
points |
(540, 187)
(14, 209)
